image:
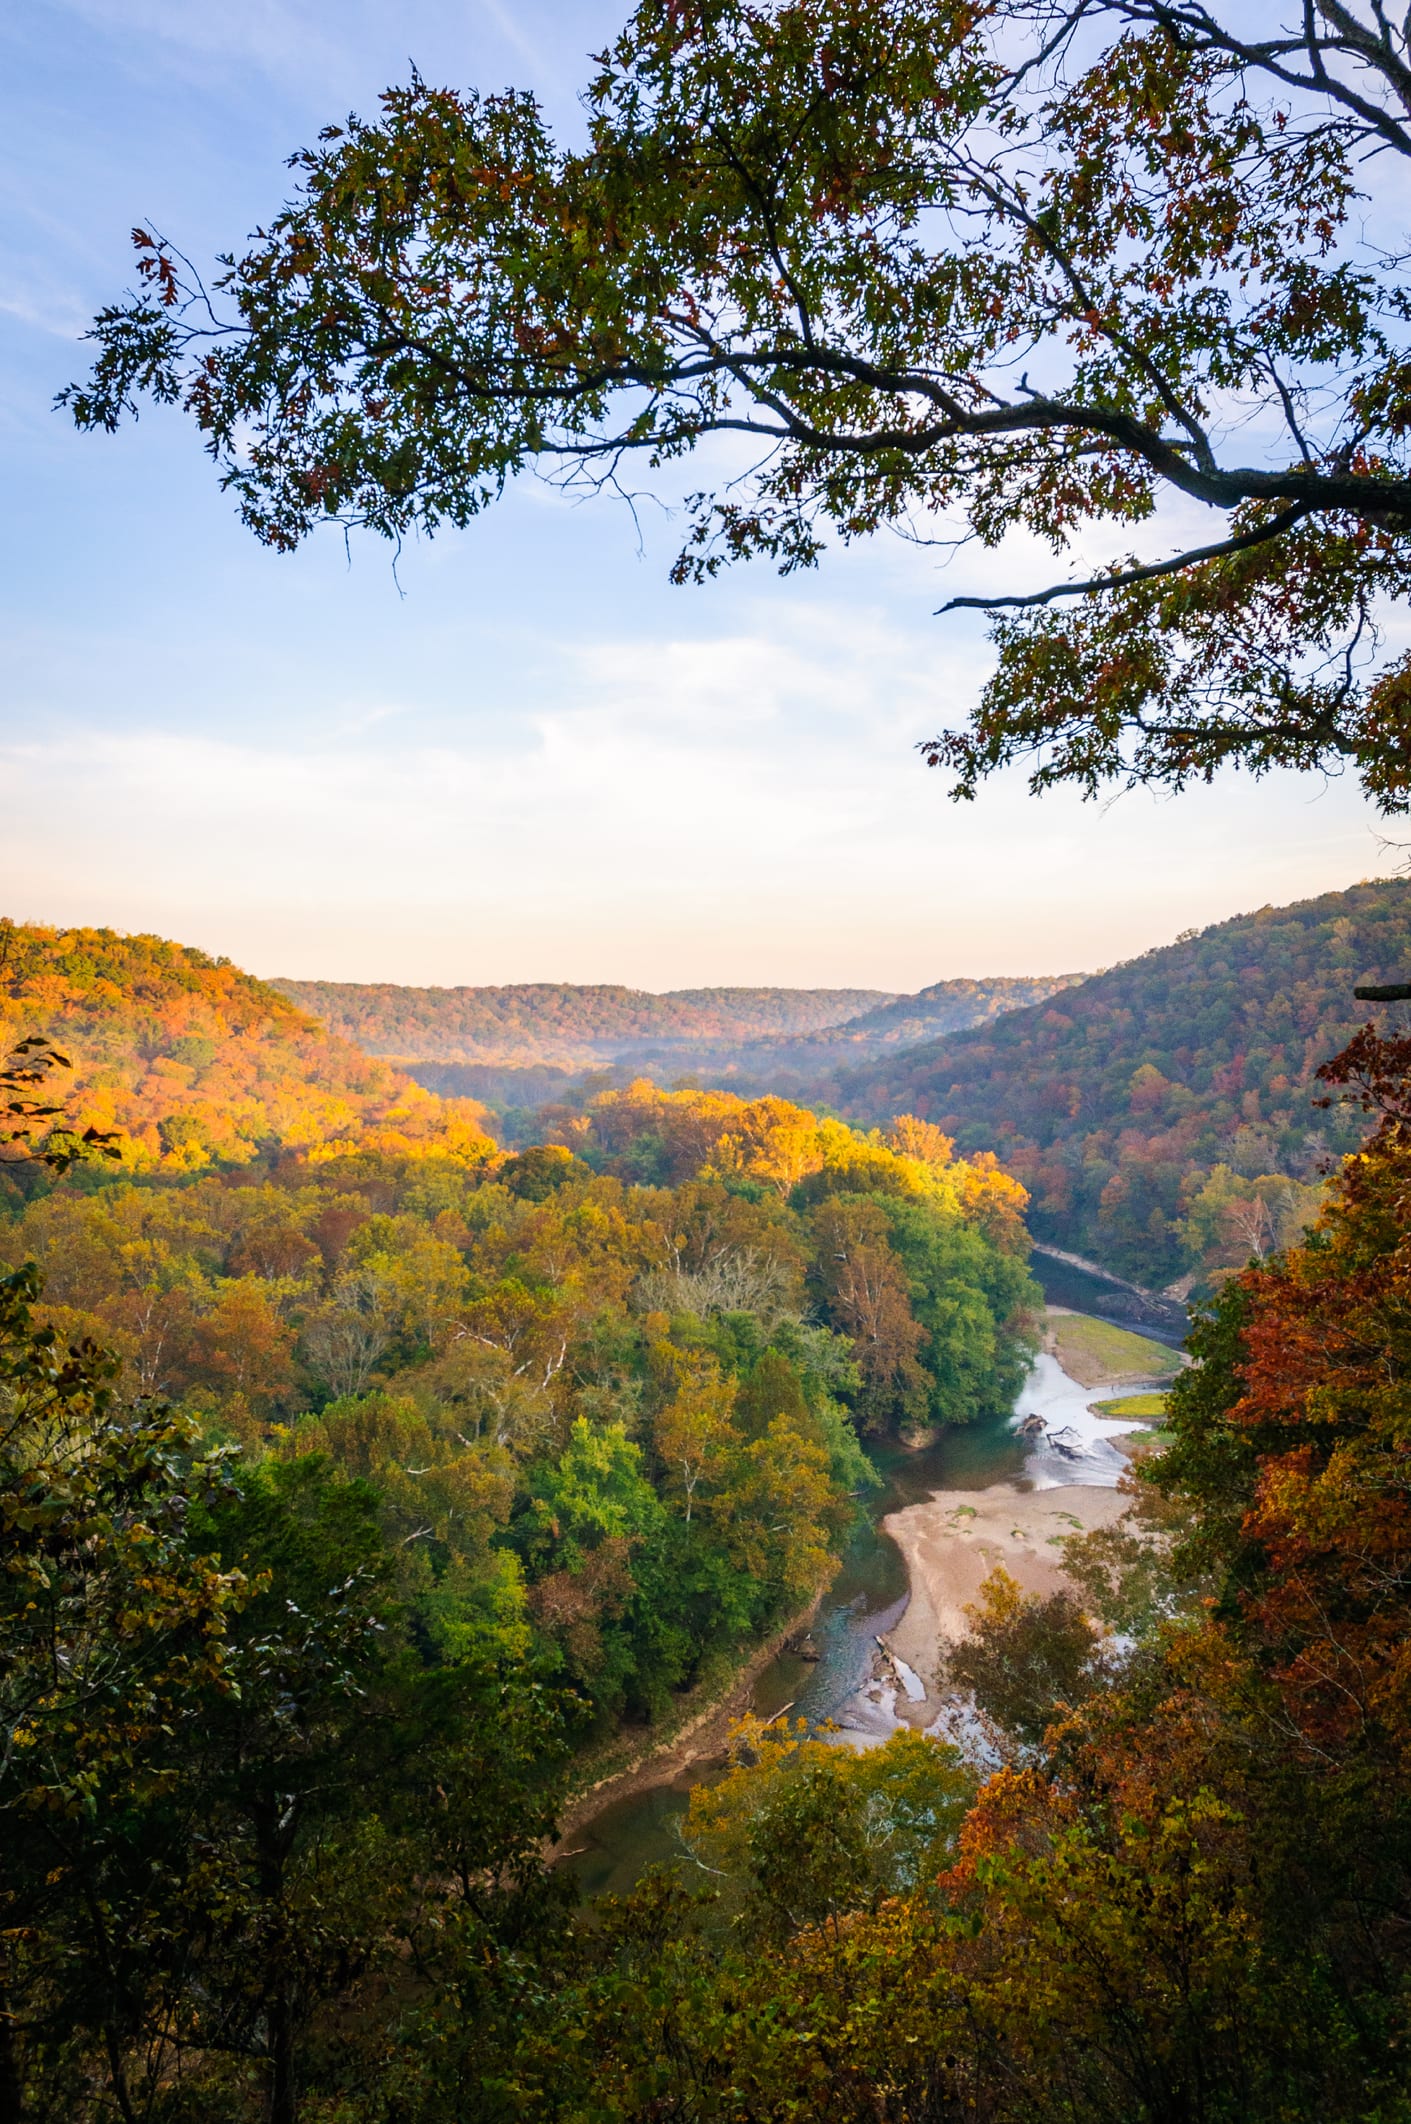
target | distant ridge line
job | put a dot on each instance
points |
(565, 1024)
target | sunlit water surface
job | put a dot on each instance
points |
(865, 1600)
(869, 1594)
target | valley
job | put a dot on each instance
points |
(614, 1389)
(643, 1452)
(925, 1540)
(1162, 1114)
(812, 1526)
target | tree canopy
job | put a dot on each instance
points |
(287, 1741)
(181, 1062)
(363, 1481)
(957, 270)
(1164, 1115)
(1183, 1891)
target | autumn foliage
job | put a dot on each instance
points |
(1184, 1893)
(478, 1462)
(546, 1021)
(1163, 1115)
(381, 1469)
(188, 1062)
(469, 1465)
(1326, 1536)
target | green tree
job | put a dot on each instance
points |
(974, 1302)
(1010, 265)
(772, 1388)
(807, 1833)
(1232, 1217)
(115, 1648)
(356, 1807)
(441, 1501)
(1026, 1659)
(592, 1528)
(303, 1897)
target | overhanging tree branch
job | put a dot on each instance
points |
(840, 233)
(1275, 528)
(1271, 56)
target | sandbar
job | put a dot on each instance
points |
(954, 1540)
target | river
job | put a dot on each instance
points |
(864, 1601)
(1086, 1290)
(870, 1592)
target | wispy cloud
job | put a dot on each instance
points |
(742, 809)
(531, 50)
(54, 310)
(306, 42)
(542, 762)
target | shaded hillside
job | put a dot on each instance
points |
(558, 1023)
(197, 1063)
(1161, 1113)
(810, 1066)
(944, 1007)
(756, 1011)
(505, 1044)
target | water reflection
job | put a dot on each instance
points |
(864, 1601)
(1062, 1283)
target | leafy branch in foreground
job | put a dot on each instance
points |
(1028, 267)
(24, 1081)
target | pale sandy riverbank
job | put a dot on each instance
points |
(950, 1544)
(953, 1541)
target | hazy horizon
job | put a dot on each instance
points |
(524, 756)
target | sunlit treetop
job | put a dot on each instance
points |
(955, 270)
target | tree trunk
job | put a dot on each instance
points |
(11, 2088)
(283, 2096)
(271, 1854)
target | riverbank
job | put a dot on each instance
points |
(952, 1541)
(952, 1544)
(701, 1729)
(1071, 1280)
(1097, 1354)
(906, 1577)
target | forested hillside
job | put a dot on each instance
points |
(193, 1062)
(546, 1021)
(469, 1464)
(528, 1289)
(949, 1006)
(629, 1368)
(1162, 1113)
(371, 1491)
(517, 1047)
(349, 1499)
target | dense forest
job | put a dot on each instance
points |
(387, 1462)
(762, 1035)
(298, 1662)
(947, 1006)
(1177, 1889)
(693, 1303)
(195, 1063)
(539, 1021)
(1163, 1114)
(361, 1475)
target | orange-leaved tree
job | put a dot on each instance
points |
(1306, 1467)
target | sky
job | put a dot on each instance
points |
(524, 756)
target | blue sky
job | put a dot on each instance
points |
(534, 760)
